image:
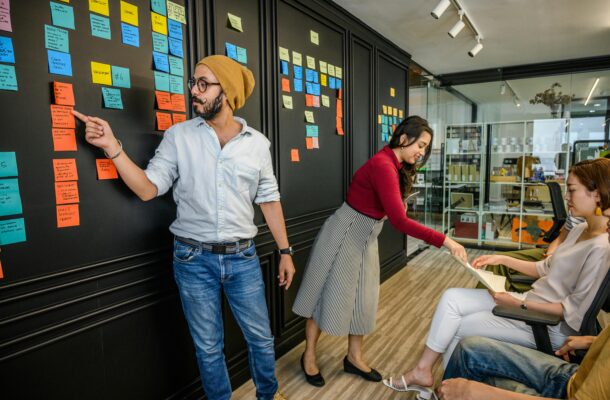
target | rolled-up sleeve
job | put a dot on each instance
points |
(162, 169)
(543, 266)
(267, 185)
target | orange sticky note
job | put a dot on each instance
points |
(294, 155)
(68, 215)
(65, 169)
(178, 118)
(393, 127)
(339, 108)
(285, 85)
(64, 94)
(309, 100)
(178, 103)
(339, 126)
(64, 139)
(66, 192)
(62, 116)
(309, 143)
(1, 272)
(106, 169)
(164, 100)
(164, 121)
(339, 93)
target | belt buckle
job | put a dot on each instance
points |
(219, 249)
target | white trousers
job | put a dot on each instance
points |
(467, 312)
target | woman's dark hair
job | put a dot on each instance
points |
(413, 127)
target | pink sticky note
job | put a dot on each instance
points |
(5, 15)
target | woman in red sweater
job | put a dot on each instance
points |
(340, 288)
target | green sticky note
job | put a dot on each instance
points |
(56, 39)
(8, 164)
(235, 22)
(120, 77)
(112, 98)
(62, 15)
(159, 42)
(12, 231)
(8, 78)
(100, 26)
(176, 85)
(10, 200)
(176, 66)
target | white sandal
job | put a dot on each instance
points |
(423, 393)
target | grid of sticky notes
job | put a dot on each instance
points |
(8, 76)
(233, 51)
(167, 19)
(388, 119)
(12, 223)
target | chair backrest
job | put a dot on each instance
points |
(559, 212)
(601, 301)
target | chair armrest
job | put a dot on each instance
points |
(528, 316)
(520, 278)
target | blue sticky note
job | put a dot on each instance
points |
(312, 130)
(174, 28)
(384, 119)
(284, 67)
(308, 88)
(308, 75)
(59, 63)
(8, 164)
(120, 77)
(7, 54)
(12, 231)
(315, 77)
(161, 81)
(316, 89)
(158, 6)
(331, 82)
(100, 26)
(112, 98)
(62, 15)
(176, 66)
(298, 85)
(231, 51)
(338, 84)
(176, 84)
(298, 72)
(161, 61)
(384, 128)
(159, 42)
(175, 47)
(130, 35)
(56, 39)
(10, 200)
(395, 120)
(242, 55)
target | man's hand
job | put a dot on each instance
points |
(457, 389)
(574, 343)
(286, 271)
(98, 133)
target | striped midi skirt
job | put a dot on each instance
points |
(340, 288)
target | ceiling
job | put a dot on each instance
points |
(515, 32)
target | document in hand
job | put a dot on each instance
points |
(495, 283)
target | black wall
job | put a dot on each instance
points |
(92, 311)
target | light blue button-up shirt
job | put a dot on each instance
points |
(214, 187)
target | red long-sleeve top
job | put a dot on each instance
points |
(375, 192)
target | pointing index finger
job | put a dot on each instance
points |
(80, 116)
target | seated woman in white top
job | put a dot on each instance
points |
(567, 284)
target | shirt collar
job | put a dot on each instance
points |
(244, 125)
(390, 153)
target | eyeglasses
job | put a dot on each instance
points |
(202, 84)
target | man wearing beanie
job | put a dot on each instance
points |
(217, 166)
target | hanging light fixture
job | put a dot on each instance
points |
(477, 47)
(457, 28)
(440, 9)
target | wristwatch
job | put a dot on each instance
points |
(523, 306)
(287, 250)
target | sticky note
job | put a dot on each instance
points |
(61, 116)
(159, 23)
(311, 62)
(56, 39)
(338, 84)
(316, 101)
(8, 78)
(309, 117)
(309, 143)
(1, 271)
(392, 92)
(66, 192)
(177, 118)
(312, 130)
(174, 29)
(242, 55)
(176, 66)
(164, 121)
(7, 53)
(99, 6)
(68, 215)
(175, 47)
(284, 67)
(8, 164)
(400, 114)
(316, 89)
(316, 143)
(64, 139)
(287, 101)
(65, 169)
(385, 109)
(309, 100)
(62, 15)
(308, 75)
(164, 100)
(379, 119)
(101, 73)
(178, 102)
(325, 101)
(64, 94)
(297, 58)
(395, 113)
(294, 155)
(112, 98)
(315, 77)
(339, 93)
(235, 22)
(314, 37)
(323, 67)
(331, 82)
(339, 126)
(176, 84)
(10, 199)
(308, 88)
(100, 26)
(5, 16)
(59, 63)
(285, 85)
(323, 79)
(284, 54)
(129, 13)
(176, 12)
(130, 35)
(12, 231)
(106, 169)
(161, 81)
(298, 85)
(298, 72)
(338, 72)
(120, 77)
(339, 108)
(231, 51)
(331, 70)
(160, 43)
(158, 6)
(161, 61)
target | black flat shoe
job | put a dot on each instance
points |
(315, 380)
(350, 368)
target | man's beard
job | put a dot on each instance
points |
(211, 110)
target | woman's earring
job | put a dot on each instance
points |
(598, 211)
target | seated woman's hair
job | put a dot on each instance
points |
(595, 175)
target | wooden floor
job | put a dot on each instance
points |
(406, 304)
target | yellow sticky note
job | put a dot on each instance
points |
(176, 12)
(235, 22)
(331, 70)
(323, 67)
(392, 92)
(309, 117)
(379, 118)
(159, 23)
(129, 13)
(100, 73)
(390, 110)
(99, 6)
(297, 58)
(400, 114)
(311, 62)
(325, 101)
(385, 109)
(395, 112)
(315, 39)
(65, 1)
(323, 80)
(287, 101)
(284, 54)
(339, 72)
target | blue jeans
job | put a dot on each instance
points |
(511, 366)
(200, 276)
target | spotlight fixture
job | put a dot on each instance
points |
(592, 90)
(458, 26)
(440, 9)
(503, 89)
(516, 101)
(477, 47)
